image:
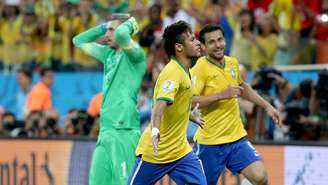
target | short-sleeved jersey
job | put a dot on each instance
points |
(222, 118)
(174, 86)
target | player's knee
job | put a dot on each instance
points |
(261, 178)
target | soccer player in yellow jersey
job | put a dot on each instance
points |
(222, 143)
(163, 148)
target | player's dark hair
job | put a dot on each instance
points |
(174, 34)
(207, 29)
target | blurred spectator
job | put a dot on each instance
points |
(32, 122)
(282, 86)
(95, 105)
(82, 21)
(39, 98)
(296, 107)
(150, 34)
(306, 11)
(2, 111)
(65, 28)
(259, 7)
(265, 44)
(240, 48)
(28, 32)
(263, 83)
(1, 42)
(48, 125)
(319, 98)
(321, 34)
(319, 104)
(8, 123)
(106, 7)
(175, 13)
(288, 27)
(303, 90)
(24, 80)
(150, 37)
(42, 42)
(78, 122)
(95, 128)
(204, 12)
(10, 35)
(68, 124)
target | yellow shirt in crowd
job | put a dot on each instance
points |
(79, 56)
(10, 33)
(269, 45)
(222, 118)
(173, 85)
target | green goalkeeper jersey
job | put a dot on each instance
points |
(124, 69)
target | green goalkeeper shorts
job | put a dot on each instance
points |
(113, 157)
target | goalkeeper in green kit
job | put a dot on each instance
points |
(124, 68)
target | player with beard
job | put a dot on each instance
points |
(222, 143)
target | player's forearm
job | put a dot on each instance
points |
(251, 95)
(157, 114)
(124, 31)
(89, 36)
(123, 39)
(204, 101)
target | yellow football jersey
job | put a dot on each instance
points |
(222, 118)
(173, 85)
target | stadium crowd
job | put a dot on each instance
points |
(36, 36)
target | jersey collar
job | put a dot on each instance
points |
(220, 67)
(181, 65)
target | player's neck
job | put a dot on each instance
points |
(183, 60)
(218, 62)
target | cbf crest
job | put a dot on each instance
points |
(233, 73)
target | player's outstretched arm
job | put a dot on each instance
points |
(251, 95)
(86, 41)
(156, 117)
(123, 38)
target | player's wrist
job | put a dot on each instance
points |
(134, 25)
(105, 26)
(219, 96)
(154, 132)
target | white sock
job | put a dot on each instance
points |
(245, 182)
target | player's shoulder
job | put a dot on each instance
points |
(201, 64)
(232, 60)
(201, 61)
(171, 69)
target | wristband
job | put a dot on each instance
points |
(105, 26)
(154, 132)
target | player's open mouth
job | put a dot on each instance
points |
(219, 52)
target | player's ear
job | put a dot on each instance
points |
(178, 47)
